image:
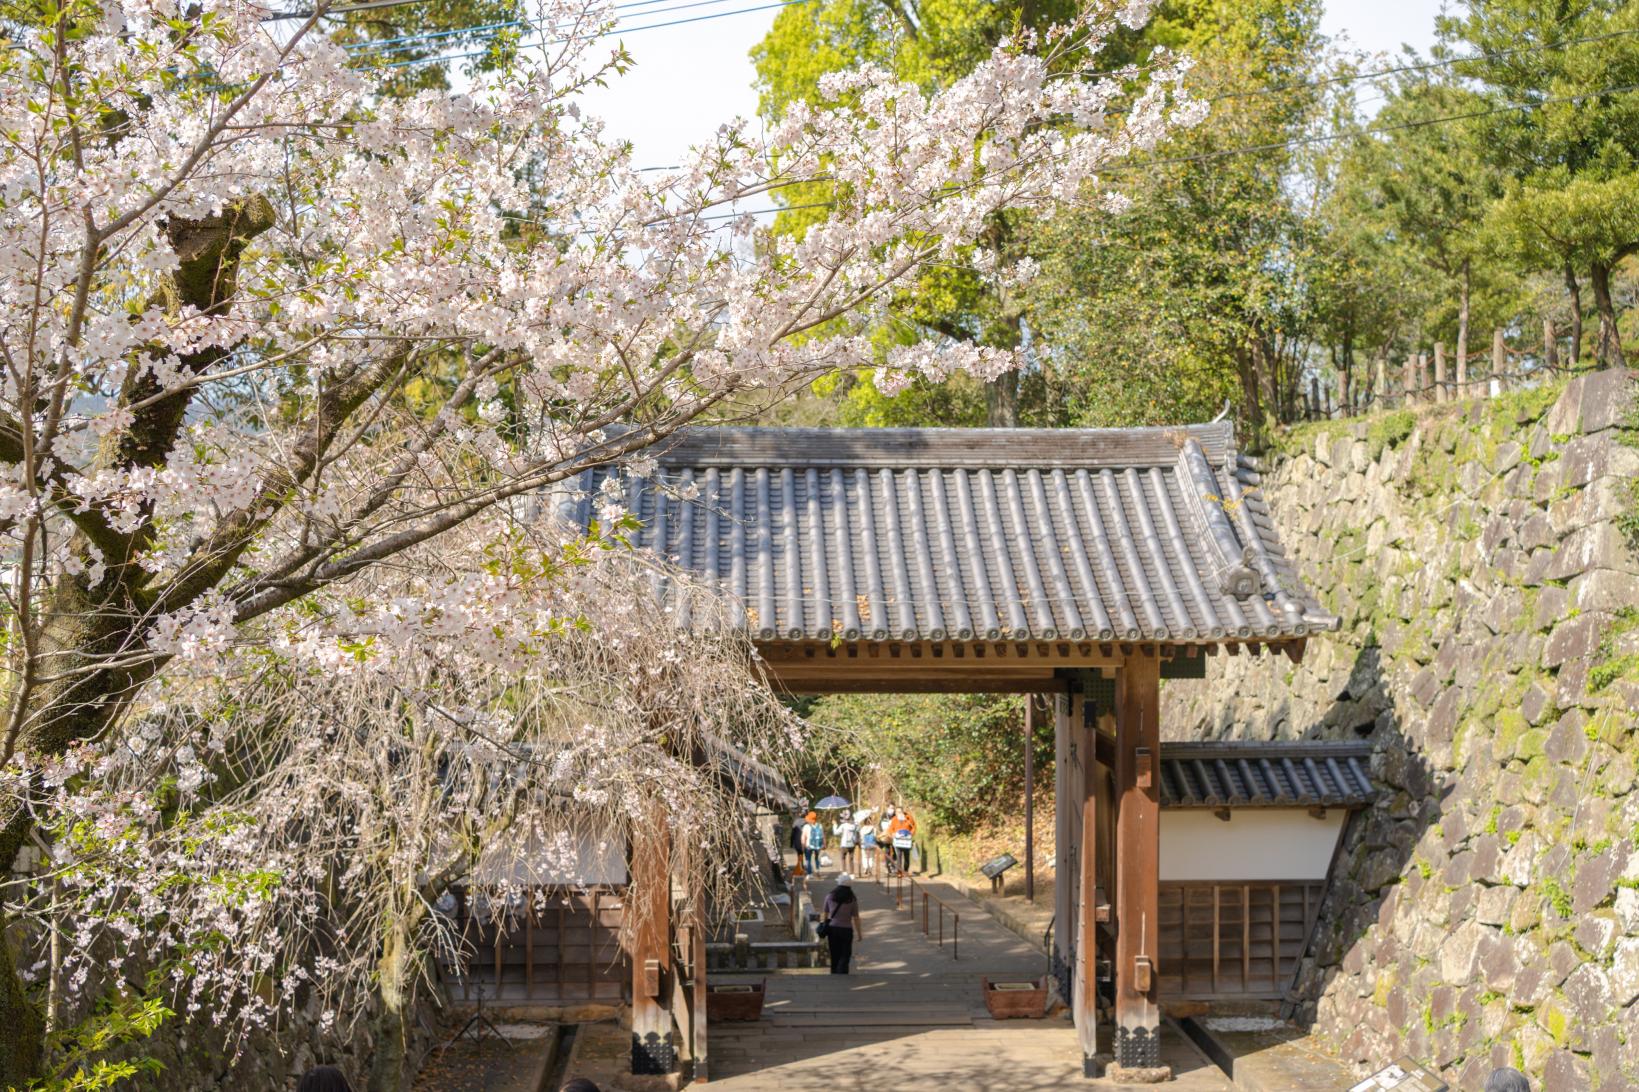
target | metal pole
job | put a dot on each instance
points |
(1029, 799)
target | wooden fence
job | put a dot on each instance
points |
(558, 945)
(1429, 378)
(1234, 940)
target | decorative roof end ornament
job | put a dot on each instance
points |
(1231, 561)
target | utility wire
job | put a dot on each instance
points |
(445, 58)
(1425, 66)
(455, 32)
(1251, 149)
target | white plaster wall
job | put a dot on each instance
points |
(577, 857)
(1255, 844)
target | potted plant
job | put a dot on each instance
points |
(1015, 1000)
(734, 1001)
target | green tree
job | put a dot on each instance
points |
(1565, 129)
(1430, 180)
(929, 43)
(1193, 297)
(958, 757)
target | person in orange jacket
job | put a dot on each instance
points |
(901, 834)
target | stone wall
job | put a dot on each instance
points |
(1486, 910)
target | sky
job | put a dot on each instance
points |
(692, 77)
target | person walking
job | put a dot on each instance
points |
(813, 840)
(324, 1078)
(903, 834)
(847, 832)
(842, 923)
(1507, 1079)
(867, 847)
(885, 839)
(797, 822)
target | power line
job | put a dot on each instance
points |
(1425, 66)
(1420, 123)
(1225, 153)
(445, 58)
(375, 44)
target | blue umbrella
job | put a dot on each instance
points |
(830, 803)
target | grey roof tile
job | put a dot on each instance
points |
(1259, 774)
(1152, 534)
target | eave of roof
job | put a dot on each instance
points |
(1256, 774)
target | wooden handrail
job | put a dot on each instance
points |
(898, 882)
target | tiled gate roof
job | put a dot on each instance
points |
(1152, 534)
(1264, 775)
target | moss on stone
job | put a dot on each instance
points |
(1511, 725)
(1389, 430)
(1608, 665)
(1386, 983)
(1526, 403)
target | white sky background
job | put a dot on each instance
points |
(691, 78)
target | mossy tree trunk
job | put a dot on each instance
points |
(84, 630)
(391, 1066)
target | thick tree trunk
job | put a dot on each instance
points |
(1610, 339)
(22, 1028)
(83, 628)
(1002, 401)
(1575, 289)
(1247, 364)
(1464, 293)
(394, 1025)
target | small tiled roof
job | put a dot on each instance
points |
(746, 776)
(1266, 775)
(1146, 534)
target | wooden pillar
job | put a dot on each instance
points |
(1550, 344)
(1499, 359)
(1030, 797)
(1084, 1006)
(697, 961)
(1138, 866)
(1063, 862)
(1071, 753)
(1440, 394)
(650, 904)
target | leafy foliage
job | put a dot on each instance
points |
(958, 758)
(90, 1052)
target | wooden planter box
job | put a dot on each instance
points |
(735, 1002)
(1015, 1000)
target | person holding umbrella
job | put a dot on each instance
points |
(847, 832)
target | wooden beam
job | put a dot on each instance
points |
(649, 902)
(914, 684)
(1138, 859)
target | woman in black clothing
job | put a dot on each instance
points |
(841, 915)
(324, 1078)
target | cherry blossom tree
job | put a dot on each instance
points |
(286, 815)
(267, 331)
